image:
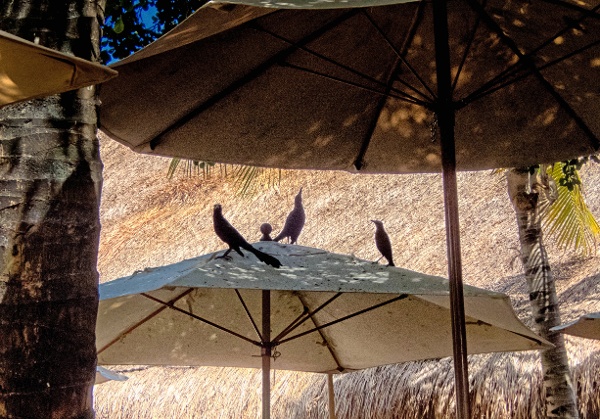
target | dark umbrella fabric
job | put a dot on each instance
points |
(355, 89)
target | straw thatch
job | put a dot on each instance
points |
(148, 220)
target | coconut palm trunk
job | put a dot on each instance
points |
(50, 182)
(530, 195)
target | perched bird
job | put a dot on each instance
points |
(294, 221)
(382, 241)
(235, 240)
(265, 229)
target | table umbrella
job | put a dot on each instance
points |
(412, 87)
(587, 326)
(29, 70)
(320, 312)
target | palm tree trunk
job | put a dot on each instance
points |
(50, 183)
(529, 196)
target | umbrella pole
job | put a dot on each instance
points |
(265, 353)
(331, 394)
(445, 114)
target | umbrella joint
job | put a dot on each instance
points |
(269, 349)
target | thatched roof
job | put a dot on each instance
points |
(148, 220)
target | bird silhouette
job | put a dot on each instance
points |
(265, 229)
(294, 221)
(235, 240)
(382, 241)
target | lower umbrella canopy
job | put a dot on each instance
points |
(328, 313)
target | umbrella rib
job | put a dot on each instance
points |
(347, 68)
(251, 75)
(401, 57)
(303, 318)
(466, 53)
(572, 25)
(144, 320)
(487, 89)
(359, 161)
(506, 77)
(535, 71)
(300, 318)
(569, 55)
(249, 315)
(497, 82)
(572, 6)
(539, 342)
(349, 316)
(170, 305)
(399, 94)
(329, 347)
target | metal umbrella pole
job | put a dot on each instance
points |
(265, 353)
(445, 115)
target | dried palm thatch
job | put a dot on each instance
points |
(149, 220)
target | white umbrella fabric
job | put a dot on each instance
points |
(320, 312)
(104, 375)
(587, 326)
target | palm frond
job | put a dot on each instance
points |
(248, 178)
(245, 178)
(173, 164)
(569, 220)
(190, 167)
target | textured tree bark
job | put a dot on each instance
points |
(50, 183)
(530, 196)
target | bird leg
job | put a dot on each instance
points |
(225, 255)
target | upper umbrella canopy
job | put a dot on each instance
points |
(28, 70)
(355, 88)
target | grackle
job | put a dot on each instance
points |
(382, 241)
(294, 221)
(235, 240)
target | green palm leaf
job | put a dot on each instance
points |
(190, 167)
(569, 220)
(245, 178)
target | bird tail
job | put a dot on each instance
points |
(279, 237)
(263, 257)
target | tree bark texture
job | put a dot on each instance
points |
(530, 195)
(50, 183)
